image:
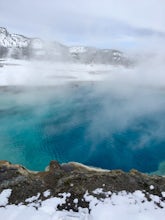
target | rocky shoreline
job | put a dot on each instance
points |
(77, 180)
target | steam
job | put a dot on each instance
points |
(128, 98)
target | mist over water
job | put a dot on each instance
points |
(103, 116)
(118, 124)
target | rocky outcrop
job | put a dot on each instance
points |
(76, 179)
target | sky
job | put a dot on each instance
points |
(100, 23)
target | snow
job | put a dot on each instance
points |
(152, 187)
(33, 198)
(121, 205)
(36, 44)
(75, 201)
(163, 194)
(46, 193)
(98, 191)
(77, 49)
(116, 53)
(19, 41)
(12, 40)
(22, 72)
(4, 195)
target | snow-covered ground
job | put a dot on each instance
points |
(45, 73)
(121, 206)
(19, 72)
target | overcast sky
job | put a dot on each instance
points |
(101, 23)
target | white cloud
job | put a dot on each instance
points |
(75, 21)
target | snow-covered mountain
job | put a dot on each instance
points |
(18, 46)
(95, 55)
(12, 40)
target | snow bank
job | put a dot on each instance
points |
(123, 205)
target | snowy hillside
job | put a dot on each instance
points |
(21, 47)
(95, 55)
(12, 40)
(18, 46)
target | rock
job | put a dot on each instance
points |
(76, 179)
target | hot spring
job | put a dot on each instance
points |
(113, 127)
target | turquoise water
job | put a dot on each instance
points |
(114, 128)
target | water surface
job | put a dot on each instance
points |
(114, 128)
